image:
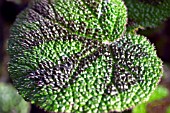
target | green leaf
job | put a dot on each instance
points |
(159, 93)
(148, 13)
(10, 101)
(168, 110)
(97, 20)
(72, 56)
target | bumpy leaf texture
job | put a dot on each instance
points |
(148, 13)
(73, 56)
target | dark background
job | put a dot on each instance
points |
(160, 37)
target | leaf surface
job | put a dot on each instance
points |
(73, 56)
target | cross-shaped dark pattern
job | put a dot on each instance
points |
(74, 56)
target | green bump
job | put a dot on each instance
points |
(73, 56)
(148, 13)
